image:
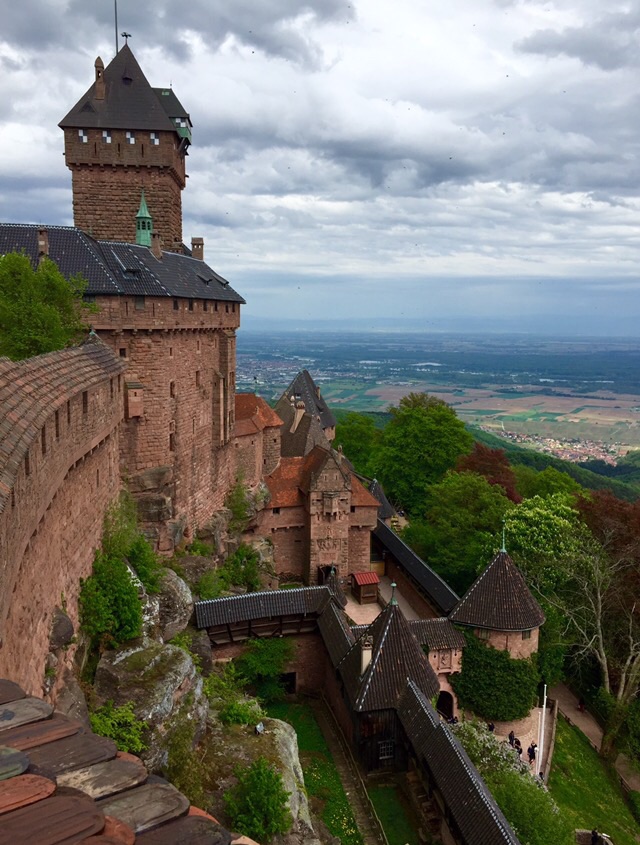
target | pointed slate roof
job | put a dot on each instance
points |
(396, 657)
(303, 387)
(499, 599)
(129, 101)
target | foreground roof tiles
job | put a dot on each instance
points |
(499, 599)
(80, 789)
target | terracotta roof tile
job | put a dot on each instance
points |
(284, 483)
(360, 496)
(362, 578)
(250, 407)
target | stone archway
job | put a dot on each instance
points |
(444, 705)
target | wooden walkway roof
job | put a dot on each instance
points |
(62, 784)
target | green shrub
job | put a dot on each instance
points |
(237, 501)
(145, 563)
(633, 728)
(121, 725)
(262, 664)
(240, 713)
(110, 608)
(185, 767)
(257, 805)
(212, 584)
(224, 684)
(494, 685)
(634, 803)
(184, 641)
(243, 568)
(120, 529)
(200, 548)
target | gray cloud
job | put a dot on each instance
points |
(610, 42)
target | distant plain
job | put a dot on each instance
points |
(586, 389)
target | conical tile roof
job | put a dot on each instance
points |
(395, 658)
(499, 599)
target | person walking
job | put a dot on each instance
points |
(531, 753)
(512, 738)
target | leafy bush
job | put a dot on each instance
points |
(492, 684)
(257, 805)
(185, 767)
(243, 567)
(121, 725)
(263, 663)
(240, 713)
(120, 529)
(200, 548)
(524, 800)
(110, 609)
(212, 584)
(633, 728)
(145, 563)
(634, 803)
(237, 501)
(224, 684)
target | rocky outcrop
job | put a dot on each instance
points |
(234, 745)
(161, 682)
(61, 630)
(175, 605)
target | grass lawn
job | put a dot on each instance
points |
(393, 815)
(585, 791)
(326, 794)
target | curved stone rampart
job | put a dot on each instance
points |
(59, 418)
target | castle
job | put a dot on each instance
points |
(149, 400)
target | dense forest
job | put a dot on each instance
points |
(573, 531)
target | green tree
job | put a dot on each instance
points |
(463, 513)
(110, 608)
(359, 438)
(40, 310)
(121, 725)
(258, 804)
(262, 664)
(422, 440)
(530, 482)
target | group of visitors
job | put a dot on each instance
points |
(515, 743)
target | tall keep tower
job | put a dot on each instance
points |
(123, 137)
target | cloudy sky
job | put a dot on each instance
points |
(476, 159)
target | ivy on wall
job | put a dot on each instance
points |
(494, 685)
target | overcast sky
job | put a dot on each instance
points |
(369, 158)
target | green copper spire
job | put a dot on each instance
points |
(393, 599)
(504, 536)
(144, 223)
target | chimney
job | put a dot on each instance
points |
(43, 245)
(298, 414)
(366, 650)
(99, 66)
(197, 248)
(156, 245)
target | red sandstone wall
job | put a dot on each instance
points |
(184, 358)
(248, 457)
(513, 642)
(270, 449)
(52, 526)
(360, 548)
(108, 180)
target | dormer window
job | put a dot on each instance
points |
(84, 137)
(131, 137)
(154, 138)
(106, 136)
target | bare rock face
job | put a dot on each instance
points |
(162, 683)
(70, 699)
(176, 605)
(201, 647)
(61, 630)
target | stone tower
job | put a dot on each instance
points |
(121, 138)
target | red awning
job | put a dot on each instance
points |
(362, 578)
